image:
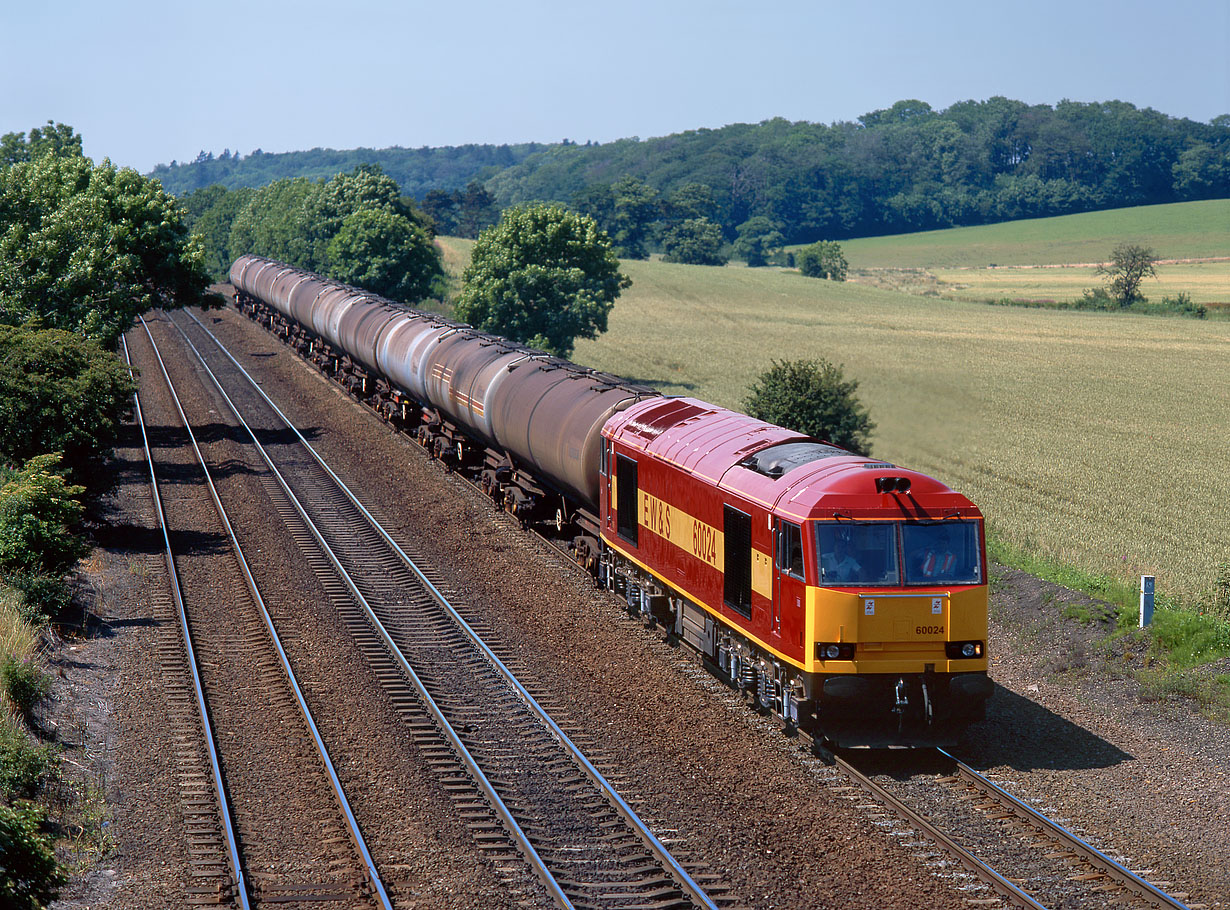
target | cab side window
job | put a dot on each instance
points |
(790, 549)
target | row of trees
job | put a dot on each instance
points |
(356, 227)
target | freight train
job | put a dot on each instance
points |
(844, 594)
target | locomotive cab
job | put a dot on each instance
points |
(900, 613)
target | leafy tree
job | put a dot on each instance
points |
(758, 240)
(29, 876)
(812, 397)
(597, 200)
(635, 210)
(696, 241)
(1129, 265)
(1203, 172)
(543, 276)
(88, 248)
(60, 392)
(387, 253)
(198, 202)
(442, 207)
(271, 223)
(692, 200)
(366, 188)
(53, 139)
(213, 229)
(476, 210)
(823, 259)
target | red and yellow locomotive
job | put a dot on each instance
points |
(846, 594)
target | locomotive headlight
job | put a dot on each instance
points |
(828, 650)
(963, 650)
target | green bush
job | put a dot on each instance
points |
(823, 259)
(1182, 303)
(24, 683)
(37, 510)
(29, 875)
(42, 596)
(60, 393)
(25, 768)
(812, 397)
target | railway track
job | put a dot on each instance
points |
(252, 815)
(523, 784)
(1024, 858)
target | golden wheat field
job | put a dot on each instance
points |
(1101, 440)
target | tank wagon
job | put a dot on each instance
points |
(844, 594)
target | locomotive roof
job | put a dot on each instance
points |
(792, 474)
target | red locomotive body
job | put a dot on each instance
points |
(813, 577)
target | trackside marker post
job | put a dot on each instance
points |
(1146, 600)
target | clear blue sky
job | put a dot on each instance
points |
(147, 82)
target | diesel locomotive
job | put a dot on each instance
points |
(844, 594)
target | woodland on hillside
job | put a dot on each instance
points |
(905, 168)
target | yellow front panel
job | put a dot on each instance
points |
(898, 634)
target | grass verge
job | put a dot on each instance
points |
(1185, 646)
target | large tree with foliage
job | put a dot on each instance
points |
(384, 252)
(1129, 265)
(212, 228)
(329, 227)
(758, 240)
(694, 241)
(87, 248)
(815, 398)
(635, 209)
(60, 392)
(272, 223)
(53, 139)
(544, 276)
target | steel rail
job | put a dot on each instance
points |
(232, 844)
(501, 809)
(973, 864)
(356, 835)
(693, 890)
(1095, 857)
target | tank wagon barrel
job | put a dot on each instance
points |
(543, 412)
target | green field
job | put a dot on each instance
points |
(1184, 230)
(1094, 439)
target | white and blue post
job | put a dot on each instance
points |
(1146, 600)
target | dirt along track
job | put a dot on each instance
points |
(701, 767)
